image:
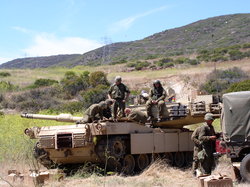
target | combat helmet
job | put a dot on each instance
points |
(209, 116)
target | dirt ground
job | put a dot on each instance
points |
(158, 174)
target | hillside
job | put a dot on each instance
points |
(204, 34)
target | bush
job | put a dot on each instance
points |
(7, 86)
(165, 62)
(236, 55)
(246, 45)
(72, 83)
(94, 95)
(240, 86)
(97, 78)
(221, 80)
(34, 100)
(43, 82)
(5, 74)
(139, 65)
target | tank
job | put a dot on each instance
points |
(124, 146)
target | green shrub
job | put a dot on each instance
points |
(192, 62)
(7, 86)
(151, 57)
(220, 80)
(94, 95)
(122, 61)
(34, 100)
(180, 60)
(235, 55)
(216, 58)
(246, 45)
(72, 83)
(5, 74)
(43, 82)
(139, 65)
(239, 86)
(97, 78)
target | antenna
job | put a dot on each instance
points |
(106, 49)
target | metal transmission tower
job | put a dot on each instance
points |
(106, 50)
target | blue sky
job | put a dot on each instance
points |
(49, 27)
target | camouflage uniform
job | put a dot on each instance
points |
(157, 94)
(117, 92)
(95, 112)
(208, 147)
(197, 148)
(138, 116)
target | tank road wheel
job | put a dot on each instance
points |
(179, 159)
(128, 165)
(188, 158)
(117, 148)
(114, 165)
(245, 168)
(169, 158)
(142, 161)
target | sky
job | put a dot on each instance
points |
(31, 28)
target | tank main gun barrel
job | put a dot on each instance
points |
(61, 117)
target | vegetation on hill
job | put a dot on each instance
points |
(221, 81)
(208, 34)
(72, 94)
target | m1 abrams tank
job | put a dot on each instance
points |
(125, 146)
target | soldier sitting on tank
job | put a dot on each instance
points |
(95, 111)
(156, 97)
(136, 115)
(119, 92)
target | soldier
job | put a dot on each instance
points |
(136, 115)
(107, 111)
(156, 97)
(95, 111)
(119, 93)
(197, 148)
(207, 138)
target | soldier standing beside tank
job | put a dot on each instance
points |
(156, 97)
(119, 92)
(207, 138)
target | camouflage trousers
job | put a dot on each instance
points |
(207, 164)
(196, 162)
(149, 106)
(118, 104)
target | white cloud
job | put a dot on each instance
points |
(22, 29)
(126, 23)
(4, 59)
(48, 44)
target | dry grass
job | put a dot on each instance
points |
(158, 174)
(25, 77)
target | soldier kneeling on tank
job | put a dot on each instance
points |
(96, 111)
(157, 96)
(136, 115)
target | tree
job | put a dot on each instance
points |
(97, 78)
